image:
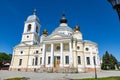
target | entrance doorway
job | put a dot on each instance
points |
(57, 61)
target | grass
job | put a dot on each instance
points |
(108, 78)
(14, 79)
(23, 78)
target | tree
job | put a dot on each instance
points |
(105, 61)
(5, 57)
(113, 62)
(109, 62)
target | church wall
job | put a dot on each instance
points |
(16, 61)
(77, 35)
(28, 55)
(27, 37)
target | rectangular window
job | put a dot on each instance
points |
(94, 60)
(20, 62)
(49, 60)
(40, 60)
(36, 61)
(33, 62)
(88, 60)
(67, 59)
(79, 60)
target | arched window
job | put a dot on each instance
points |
(37, 29)
(29, 27)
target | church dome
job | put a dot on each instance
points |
(33, 17)
(63, 27)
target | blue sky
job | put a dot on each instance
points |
(97, 20)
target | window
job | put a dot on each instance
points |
(94, 60)
(37, 51)
(27, 36)
(20, 62)
(21, 52)
(79, 60)
(86, 49)
(49, 60)
(88, 60)
(58, 47)
(29, 28)
(40, 60)
(36, 60)
(33, 62)
(37, 29)
(41, 49)
(78, 47)
(67, 59)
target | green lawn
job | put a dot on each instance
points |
(14, 79)
(17, 78)
(109, 78)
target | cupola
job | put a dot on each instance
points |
(45, 32)
(77, 28)
(33, 17)
(63, 19)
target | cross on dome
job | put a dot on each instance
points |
(34, 11)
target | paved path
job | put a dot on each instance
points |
(55, 76)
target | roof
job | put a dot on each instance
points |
(90, 42)
(63, 28)
(33, 18)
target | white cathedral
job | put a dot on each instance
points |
(64, 50)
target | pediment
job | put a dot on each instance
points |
(56, 36)
(21, 44)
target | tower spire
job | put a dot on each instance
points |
(34, 11)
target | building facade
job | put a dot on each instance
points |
(63, 50)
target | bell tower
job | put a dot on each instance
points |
(31, 30)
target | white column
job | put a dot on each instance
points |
(52, 55)
(91, 57)
(71, 56)
(43, 55)
(61, 55)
